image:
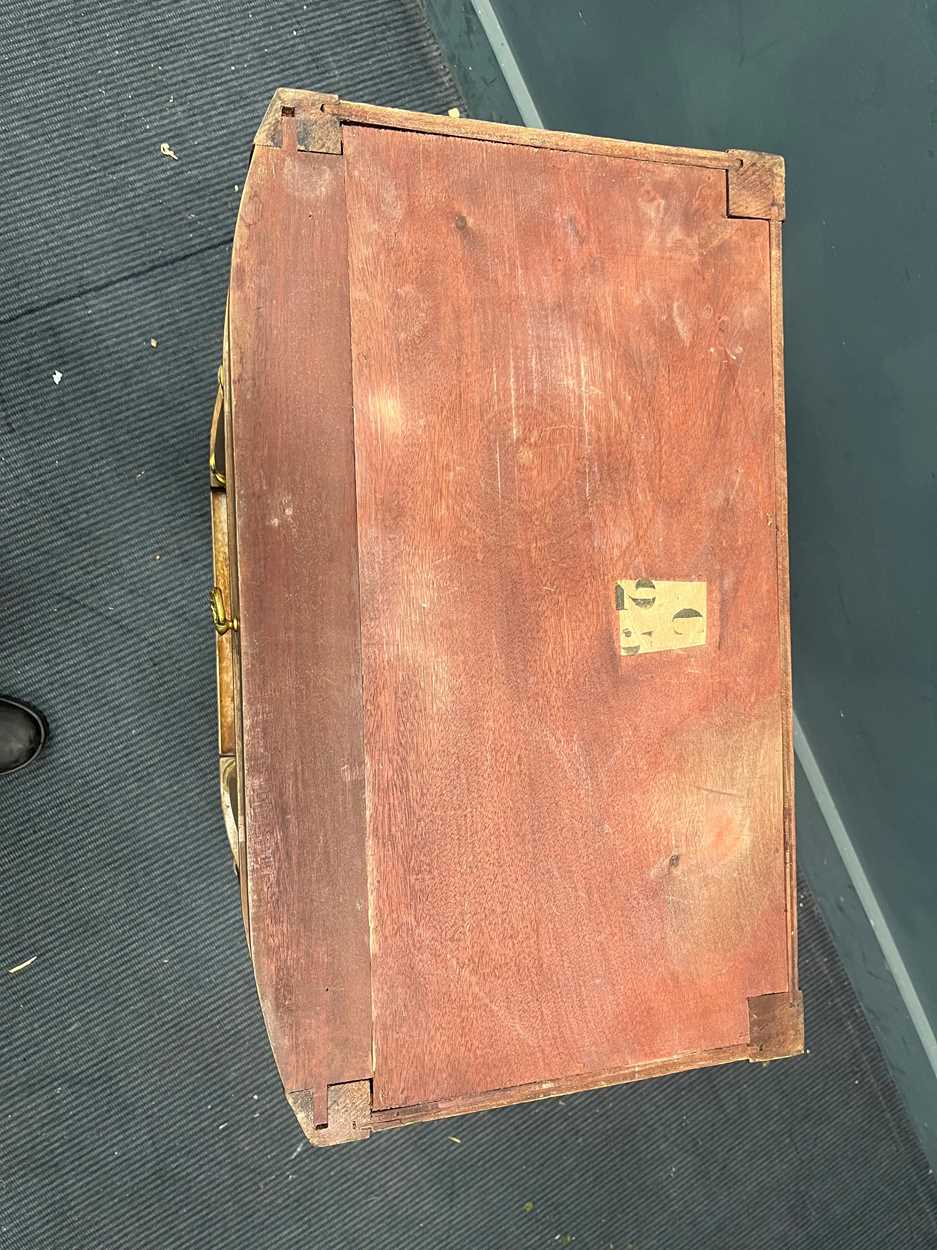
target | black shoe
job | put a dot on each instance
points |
(22, 735)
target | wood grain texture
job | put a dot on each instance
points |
(563, 377)
(311, 128)
(397, 1117)
(776, 1026)
(784, 590)
(497, 132)
(289, 366)
(348, 1117)
(755, 186)
(776, 1029)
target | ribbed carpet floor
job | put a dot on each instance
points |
(139, 1106)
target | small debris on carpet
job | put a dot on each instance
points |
(27, 963)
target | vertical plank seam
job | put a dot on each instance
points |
(368, 850)
(781, 540)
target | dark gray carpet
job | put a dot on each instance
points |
(139, 1106)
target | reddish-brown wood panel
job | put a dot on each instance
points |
(290, 368)
(563, 378)
(784, 590)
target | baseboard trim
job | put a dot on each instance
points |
(491, 25)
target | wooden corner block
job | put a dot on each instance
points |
(775, 1026)
(316, 129)
(756, 187)
(348, 1115)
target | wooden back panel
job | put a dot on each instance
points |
(562, 370)
(289, 362)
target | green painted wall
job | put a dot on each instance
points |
(471, 60)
